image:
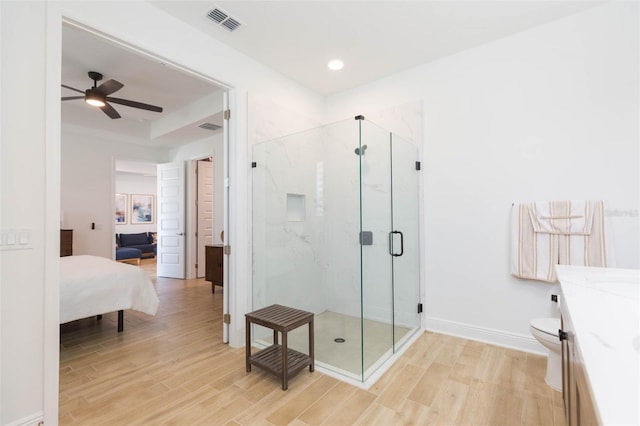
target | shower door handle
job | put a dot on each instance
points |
(391, 243)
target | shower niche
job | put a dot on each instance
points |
(335, 232)
(295, 208)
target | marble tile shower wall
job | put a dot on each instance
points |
(289, 261)
(312, 261)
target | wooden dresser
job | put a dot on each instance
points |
(66, 242)
(213, 269)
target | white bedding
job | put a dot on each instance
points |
(91, 285)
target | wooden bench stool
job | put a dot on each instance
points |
(279, 359)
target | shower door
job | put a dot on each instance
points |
(389, 244)
(405, 241)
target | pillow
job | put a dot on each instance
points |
(133, 239)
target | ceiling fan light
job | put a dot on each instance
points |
(94, 99)
(95, 102)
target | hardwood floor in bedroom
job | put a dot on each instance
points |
(173, 369)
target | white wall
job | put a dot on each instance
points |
(87, 187)
(128, 183)
(23, 205)
(550, 113)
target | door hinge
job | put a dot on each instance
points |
(196, 266)
(253, 164)
(227, 114)
(418, 165)
(227, 250)
(226, 318)
(419, 308)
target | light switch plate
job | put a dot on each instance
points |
(15, 239)
(10, 237)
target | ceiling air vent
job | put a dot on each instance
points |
(230, 24)
(217, 15)
(210, 126)
(223, 19)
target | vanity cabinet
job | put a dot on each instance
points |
(213, 269)
(577, 398)
(566, 368)
(600, 308)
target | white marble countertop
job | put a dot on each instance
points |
(604, 306)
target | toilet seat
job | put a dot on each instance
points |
(548, 326)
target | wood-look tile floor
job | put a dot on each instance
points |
(173, 369)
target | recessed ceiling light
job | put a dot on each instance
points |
(335, 64)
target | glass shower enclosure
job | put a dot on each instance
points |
(335, 232)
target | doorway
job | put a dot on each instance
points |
(117, 148)
(205, 195)
(204, 212)
(204, 198)
(176, 134)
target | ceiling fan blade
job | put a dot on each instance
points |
(72, 88)
(70, 98)
(135, 104)
(109, 86)
(110, 111)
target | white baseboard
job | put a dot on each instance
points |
(486, 335)
(32, 420)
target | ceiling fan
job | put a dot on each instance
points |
(99, 95)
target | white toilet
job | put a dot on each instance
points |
(545, 330)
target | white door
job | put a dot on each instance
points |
(205, 212)
(171, 244)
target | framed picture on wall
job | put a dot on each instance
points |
(121, 209)
(142, 209)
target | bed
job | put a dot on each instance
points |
(91, 285)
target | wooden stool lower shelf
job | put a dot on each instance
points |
(279, 359)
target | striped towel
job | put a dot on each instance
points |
(562, 217)
(556, 233)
